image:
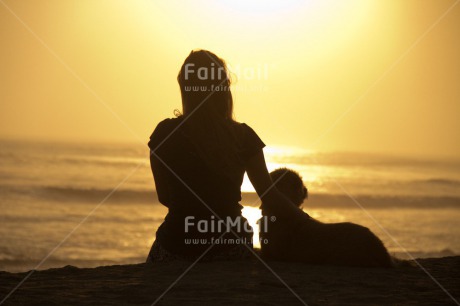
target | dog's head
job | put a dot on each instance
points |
(290, 184)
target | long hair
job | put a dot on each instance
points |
(207, 108)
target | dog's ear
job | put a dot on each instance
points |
(305, 192)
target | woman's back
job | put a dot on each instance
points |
(189, 186)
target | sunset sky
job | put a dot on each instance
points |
(323, 75)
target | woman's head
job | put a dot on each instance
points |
(207, 105)
(205, 86)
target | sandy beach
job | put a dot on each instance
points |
(237, 283)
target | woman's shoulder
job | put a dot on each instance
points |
(163, 128)
(247, 133)
(250, 141)
(244, 128)
(167, 124)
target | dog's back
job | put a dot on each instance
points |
(321, 243)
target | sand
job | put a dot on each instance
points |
(237, 283)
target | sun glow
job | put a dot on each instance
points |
(253, 214)
(321, 56)
(266, 27)
(262, 6)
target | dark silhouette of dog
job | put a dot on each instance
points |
(314, 242)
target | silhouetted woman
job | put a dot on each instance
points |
(198, 161)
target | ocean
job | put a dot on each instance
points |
(95, 204)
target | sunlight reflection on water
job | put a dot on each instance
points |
(279, 157)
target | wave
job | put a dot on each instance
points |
(383, 201)
(72, 194)
(104, 160)
(78, 194)
(352, 159)
(76, 218)
(442, 181)
(138, 196)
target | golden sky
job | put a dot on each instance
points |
(327, 75)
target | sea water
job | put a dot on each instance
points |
(95, 204)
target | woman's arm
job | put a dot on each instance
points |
(160, 173)
(271, 198)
